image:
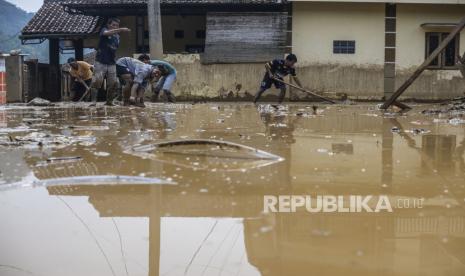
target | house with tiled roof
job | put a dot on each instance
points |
(361, 48)
(221, 31)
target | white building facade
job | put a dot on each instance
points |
(368, 48)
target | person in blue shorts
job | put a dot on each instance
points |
(168, 76)
(278, 69)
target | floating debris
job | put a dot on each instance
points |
(16, 129)
(101, 153)
(142, 130)
(41, 139)
(418, 131)
(456, 121)
(39, 102)
(395, 130)
(420, 123)
(63, 159)
(33, 182)
(89, 128)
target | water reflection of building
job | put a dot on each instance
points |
(438, 149)
(297, 243)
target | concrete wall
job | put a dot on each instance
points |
(360, 75)
(241, 81)
(316, 25)
(216, 81)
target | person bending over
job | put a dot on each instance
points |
(81, 71)
(168, 76)
(278, 69)
(136, 76)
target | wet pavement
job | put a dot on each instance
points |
(116, 203)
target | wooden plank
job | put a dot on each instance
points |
(424, 65)
(244, 37)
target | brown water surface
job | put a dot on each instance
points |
(204, 214)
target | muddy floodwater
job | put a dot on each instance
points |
(90, 191)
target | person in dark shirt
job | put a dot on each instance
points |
(105, 63)
(278, 69)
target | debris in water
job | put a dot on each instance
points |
(456, 121)
(417, 131)
(33, 181)
(40, 102)
(101, 153)
(63, 159)
(395, 130)
(41, 139)
(89, 128)
(16, 129)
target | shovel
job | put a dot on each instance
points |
(304, 90)
(87, 90)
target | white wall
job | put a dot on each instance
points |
(411, 36)
(316, 25)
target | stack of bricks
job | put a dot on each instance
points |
(2, 81)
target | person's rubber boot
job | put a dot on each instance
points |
(140, 102)
(154, 97)
(257, 97)
(93, 96)
(170, 96)
(109, 101)
(126, 96)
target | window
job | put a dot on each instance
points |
(448, 58)
(178, 34)
(344, 46)
(200, 34)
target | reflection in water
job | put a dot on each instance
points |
(440, 150)
(212, 221)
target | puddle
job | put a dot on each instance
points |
(178, 189)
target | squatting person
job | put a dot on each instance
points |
(136, 76)
(81, 71)
(105, 60)
(168, 76)
(278, 69)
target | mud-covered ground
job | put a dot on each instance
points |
(97, 191)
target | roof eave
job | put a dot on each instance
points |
(54, 35)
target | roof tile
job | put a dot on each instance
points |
(51, 18)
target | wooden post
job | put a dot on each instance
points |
(155, 35)
(423, 66)
(55, 74)
(154, 230)
(78, 49)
